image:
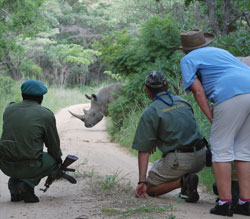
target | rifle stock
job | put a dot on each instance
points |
(60, 172)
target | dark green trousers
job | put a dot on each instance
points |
(30, 172)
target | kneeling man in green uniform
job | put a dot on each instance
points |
(168, 123)
(27, 126)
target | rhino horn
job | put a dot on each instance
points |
(81, 117)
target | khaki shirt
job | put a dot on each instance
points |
(167, 127)
(26, 127)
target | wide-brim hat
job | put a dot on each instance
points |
(194, 39)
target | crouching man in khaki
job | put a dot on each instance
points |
(168, 123)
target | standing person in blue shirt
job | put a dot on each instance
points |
(168, 123)
(215, 74)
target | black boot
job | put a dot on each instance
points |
(224, 210)
(16, 198)
(242, 209)
(27, 193)
(189, 184)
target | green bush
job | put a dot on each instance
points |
(125, 54)
(236, 43)
(136, 56)
(133, 97)
(9, 92)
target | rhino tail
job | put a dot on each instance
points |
(81, 117)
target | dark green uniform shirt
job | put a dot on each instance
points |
(167, 127)
(26, 127)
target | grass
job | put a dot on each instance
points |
(81, 173)
(142, 210)
(119, 201)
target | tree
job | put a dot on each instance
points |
(224, 15)
(17, 17)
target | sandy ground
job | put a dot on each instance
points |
(100, 161)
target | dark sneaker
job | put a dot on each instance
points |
(16, 198)
(189, 184)
(224, 210)
(27, 193)
(235, 192)
(242, 209)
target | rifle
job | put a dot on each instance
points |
(60, 172)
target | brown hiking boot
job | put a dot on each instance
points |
(189, 184)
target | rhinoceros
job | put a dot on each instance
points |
(99, 105)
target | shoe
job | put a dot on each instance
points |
(16, 198)
(242, 209)
(235, 192)
(27, 193)
(189, 184)
(224, 210)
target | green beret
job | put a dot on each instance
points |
(33, 87)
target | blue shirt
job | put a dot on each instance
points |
(222, 75)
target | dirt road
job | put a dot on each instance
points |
(101, 164)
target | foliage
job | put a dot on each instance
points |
(225, 16)
(9, 90)
(237, 43)
(132, 97)
(17, 17)
(136, 56)
(125, 53)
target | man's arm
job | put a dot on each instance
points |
(201, 99)
(52, 140)
(141, 189)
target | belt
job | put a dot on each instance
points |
(190, 149)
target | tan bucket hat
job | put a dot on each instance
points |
(194, 39)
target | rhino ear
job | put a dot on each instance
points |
(94, 96)
(87, 96)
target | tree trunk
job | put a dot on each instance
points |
(212, 16)
(198, 14)
(226, 17)
(15, 73)
(63, 76)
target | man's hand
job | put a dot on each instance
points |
(59, 161)
(140, 191)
